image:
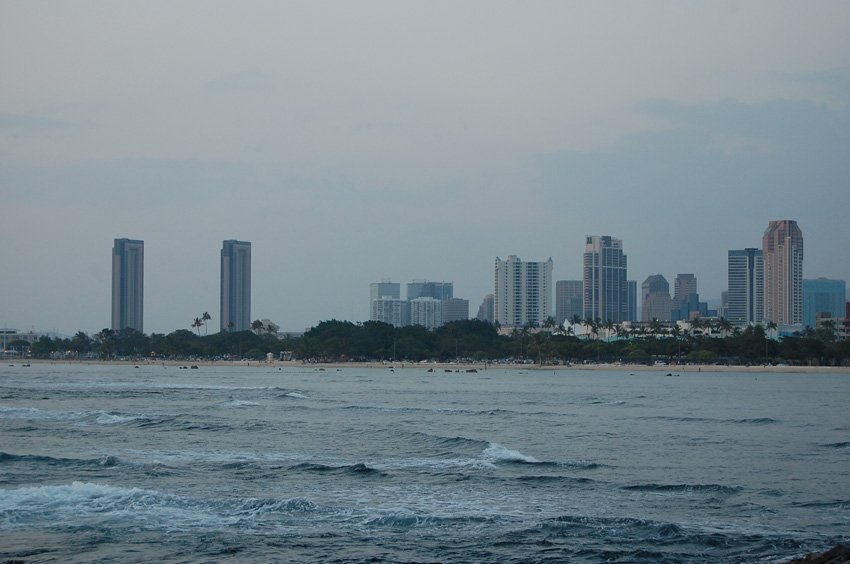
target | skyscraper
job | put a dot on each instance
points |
(683, 286)
(454, 309)
(523, 292)
(568, 300)
(486, 311)
(427, 312)
(685, 297)
(745, 290)
(388, 309)
(235, 286)
(384, 289)
(782, 247)
(128, 276)
(656, 302)
(606, 289)
(631, 301)
(825, 298)
(426, 289)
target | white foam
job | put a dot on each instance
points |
(498, 453)
(83, 502)
(241, 403)
(114, 419)
(296, 395)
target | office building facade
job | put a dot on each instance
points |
(486, 311)
(426, 289)
(128, 278)
(744, 300)
(782, 249)
(656, 302)
(427, 312)
(523, 292)
(384, 289)
(825, 299)
(235, 286)
(454, 309)
(631, 301)
(393, 311)
(605, 283)
(568, 300)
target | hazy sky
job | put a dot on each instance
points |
(355, 141)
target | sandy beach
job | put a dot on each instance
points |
(461, 367)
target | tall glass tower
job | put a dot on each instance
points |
(128, 276)
(745, 295)
(235, 286)
(606, 289)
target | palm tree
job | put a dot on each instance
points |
(696, 323)
(196, 324)
(204, 318)
(771, 327)
(725, 327)
(609, 328)
(654, 327)
(588, 327)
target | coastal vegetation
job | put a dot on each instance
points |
(463, 341)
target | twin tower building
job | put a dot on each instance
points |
(128, 275)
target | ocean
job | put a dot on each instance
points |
(103, 463)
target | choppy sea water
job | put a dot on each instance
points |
(232, 464)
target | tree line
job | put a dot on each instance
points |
(465, 341)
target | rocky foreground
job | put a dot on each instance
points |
(837, 555)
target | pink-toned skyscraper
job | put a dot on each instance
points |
(782, 247)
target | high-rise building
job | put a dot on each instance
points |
(486, 309)
(656, 303)
(825, 298)
(390, 310)
(631, 301)
(782, 247)
(427, 312)
(605, 284)
(128, 276)
(523, 292)
(426, 289)
(683, 286)
(235, 286)
(384, 289)
(685, 297)
(455, 309)
(568, 300)
(744, 303)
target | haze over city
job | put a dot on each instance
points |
(356, 142)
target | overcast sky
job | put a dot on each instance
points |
(356, 141)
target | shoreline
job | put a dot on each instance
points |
(459, 367)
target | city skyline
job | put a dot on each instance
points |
(424, 141)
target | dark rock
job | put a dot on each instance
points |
(837, 555)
